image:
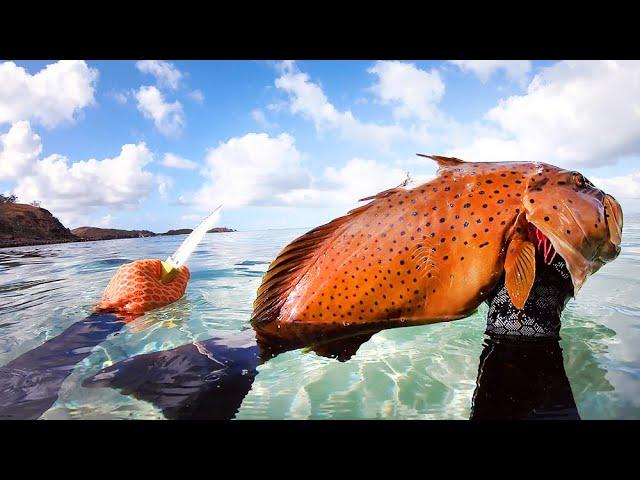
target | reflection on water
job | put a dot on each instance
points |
(416, 372)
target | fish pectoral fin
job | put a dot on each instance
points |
(520, 271)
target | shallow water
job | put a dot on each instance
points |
(426, 372)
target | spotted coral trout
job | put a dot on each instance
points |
(435, 252)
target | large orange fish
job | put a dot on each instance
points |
(435, 252)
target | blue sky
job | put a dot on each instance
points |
(156, 144)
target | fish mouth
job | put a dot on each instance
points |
(550, 245)
(542, 243)
(550, 259)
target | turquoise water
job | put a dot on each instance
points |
(424, 372)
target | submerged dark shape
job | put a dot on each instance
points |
(30, 383)
(204, 380)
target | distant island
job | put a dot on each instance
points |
(95, 233)
(22, 224)
(186, 231)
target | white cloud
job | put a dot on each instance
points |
(625, 188)
(54, 95)
(197, 96)
(574, 113)
(277, 106)
(71, 190)
(344, 186)
(496, 149)
(258, 116)
(175, 161)
(167, 117)
(119, 97)
(257, 169)
(165, 73)
(413, 92)
(251, 170)
(193, 219)
(105, 221)
(308, 99)
(516, 70)
(165, 183)
(19, 150)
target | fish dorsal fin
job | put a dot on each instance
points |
(295, 259)
(386, 193)
(520, 271)
(443, 161)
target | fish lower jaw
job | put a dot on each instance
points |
(578, 266)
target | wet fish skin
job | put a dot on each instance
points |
(434, 252)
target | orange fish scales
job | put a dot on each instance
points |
(410, 256)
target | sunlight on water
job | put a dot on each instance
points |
(424, 372)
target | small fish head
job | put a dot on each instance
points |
(583, 223)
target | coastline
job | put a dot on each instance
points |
(23, 225)
(35, 243)
(4, 244)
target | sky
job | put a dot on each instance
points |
(157, 144)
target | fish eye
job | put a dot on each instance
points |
(579, 180)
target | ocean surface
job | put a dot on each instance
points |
(426, 372)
